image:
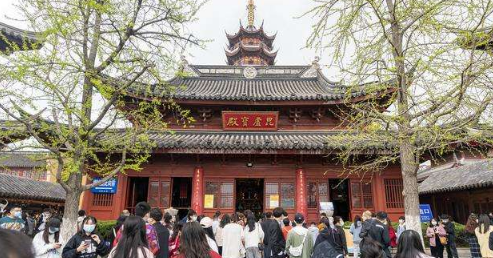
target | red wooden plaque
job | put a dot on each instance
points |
(250, 120)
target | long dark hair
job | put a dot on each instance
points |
(91, 218)
(208, 231)
(120, 221)
(193, 242)
(15, 244)
(430, 224)
(472, 224)
(356, 219)
(484, 223)
(176, 230)
(372, 249)
(52, 223)
(251, 222)
(225, 220)
(410, 245)
(133, 238)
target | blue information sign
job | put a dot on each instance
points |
(425, 212)
(106, 187)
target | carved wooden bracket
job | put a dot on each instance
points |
(317, 114)
(295, 114)
(205, 113)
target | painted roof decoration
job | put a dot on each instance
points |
(465, 177)
(29, 189)
(250, 46)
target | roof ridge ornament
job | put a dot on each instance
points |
(251, 13)
(313, 71)
(186, 68)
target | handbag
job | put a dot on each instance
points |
(261, 246)
(443, 240)
(297, 251)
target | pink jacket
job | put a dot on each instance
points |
(432, 231)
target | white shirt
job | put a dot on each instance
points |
(215, 225)
(212, 244)
(232, 245)
(44, 250)
(253, 238)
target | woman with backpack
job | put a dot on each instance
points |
(299, 242)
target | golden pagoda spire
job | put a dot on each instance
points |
(251, 13)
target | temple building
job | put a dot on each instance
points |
(261, 139)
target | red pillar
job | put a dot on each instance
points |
(198, 190)
(301, 205)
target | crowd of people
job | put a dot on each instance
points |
(148, 233)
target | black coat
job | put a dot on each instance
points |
(70, 249)
(333, 238)
(163, 239)
(377, 231)
(450, 229)
(274, 240)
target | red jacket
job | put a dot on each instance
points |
(174, 247)
(393, 237)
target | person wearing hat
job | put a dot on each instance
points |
(13, 220)
(48, 243)
(299, 242)
(206, 224)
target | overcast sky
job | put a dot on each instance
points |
(220, 16)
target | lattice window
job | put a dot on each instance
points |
(393, 193)
(222, 192)
(361, 195)
(159, 194)
(287, 198)
(316, 193)
(271, 195)
(280, 195)
(102, 199)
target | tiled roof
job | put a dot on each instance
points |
(17, 36)
(470, 176)
(28, 189)
(22, 160)
(272, 83)
(249, 142)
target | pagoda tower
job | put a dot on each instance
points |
(250, 46)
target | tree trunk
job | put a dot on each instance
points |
(410, 181)
(69, 225)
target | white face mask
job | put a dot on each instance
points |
(434, 223)
(401, 221)
(193, 218)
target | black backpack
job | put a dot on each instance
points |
(326, 250)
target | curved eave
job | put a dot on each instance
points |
(458, 188)
(23, 39)
(258, 49)
(260, 33)
(32, 197)
(311, 101)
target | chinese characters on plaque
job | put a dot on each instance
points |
(250, 120)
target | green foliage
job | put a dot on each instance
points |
(105, 228)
